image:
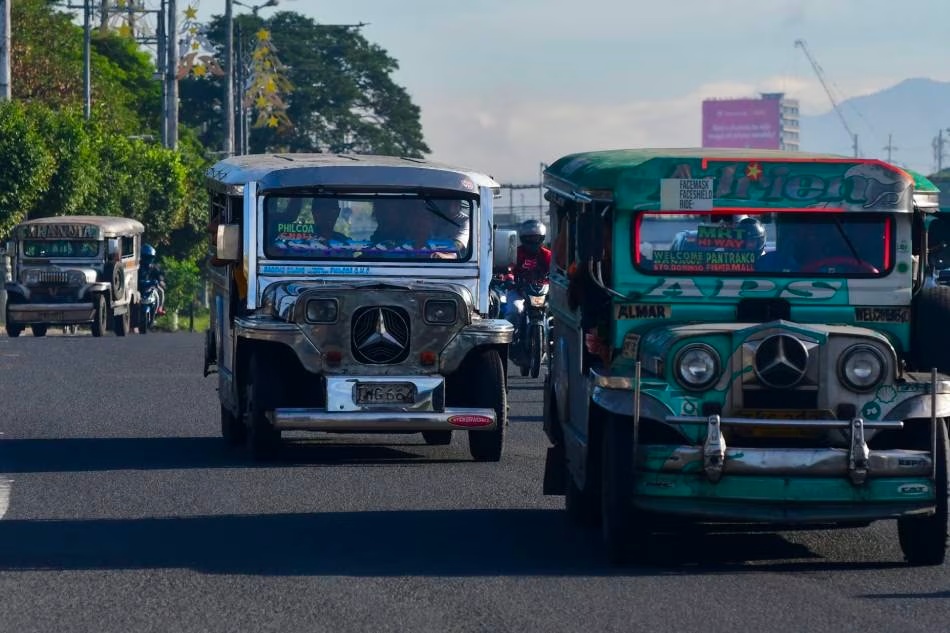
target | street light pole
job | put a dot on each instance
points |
(172, 75)
(5, 50)
(229, 83)
(86, 59)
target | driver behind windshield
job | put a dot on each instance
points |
(811, 243)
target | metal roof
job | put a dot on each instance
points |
(110, 225)
(273, 171)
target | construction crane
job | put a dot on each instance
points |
(821, 78)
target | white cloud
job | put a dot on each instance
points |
(509, 136)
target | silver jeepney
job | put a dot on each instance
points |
(351, 295)
(71, 270)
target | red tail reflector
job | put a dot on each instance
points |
(333, 357)
(470, 420)
(427, 358)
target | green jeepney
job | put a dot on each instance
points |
(746, 336)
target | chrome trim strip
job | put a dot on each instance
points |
(253, 214)
(773, 423)
(794, 461)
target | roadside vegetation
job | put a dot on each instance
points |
(56, 162)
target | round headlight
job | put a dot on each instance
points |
(697, 366)
(862, 367)
(31, 277)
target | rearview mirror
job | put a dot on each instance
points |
(505, 250)
(228, 243)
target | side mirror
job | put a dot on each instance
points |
(505, 250)
(9, 247)
(112, 247)
(590, 235)
(228, 243)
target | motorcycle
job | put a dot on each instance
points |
(148, 309)
(497, 296)
(531, 348)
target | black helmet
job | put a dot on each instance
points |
(531, 233)
(754, 234)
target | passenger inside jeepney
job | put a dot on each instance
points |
(437, 226)
(325, 213)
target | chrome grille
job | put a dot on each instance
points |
(781, 361)
(54, 277)
(380, 335)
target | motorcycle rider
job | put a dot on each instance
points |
(149, 270)
(533, 263)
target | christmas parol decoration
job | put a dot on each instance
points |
(267, 84)
(197, 58)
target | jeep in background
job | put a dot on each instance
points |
(351, 295)
(73, 270)
(747, 337)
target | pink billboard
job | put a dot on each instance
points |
(744, 123)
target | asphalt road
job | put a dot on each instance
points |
(124, 512)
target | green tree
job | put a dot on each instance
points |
(27, 166)
(343, 98)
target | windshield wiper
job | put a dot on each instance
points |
(847, 240)
(432, 207)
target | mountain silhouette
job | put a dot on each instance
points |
(912, 112)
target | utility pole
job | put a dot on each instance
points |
(889, 147)
(171, 73)
(86, 59)
(938, 150)
(229, 83)
(5, 50)
(161, 61)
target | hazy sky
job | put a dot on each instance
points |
(507, 84)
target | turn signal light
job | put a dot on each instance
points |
(427, 358)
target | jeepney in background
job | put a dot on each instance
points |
(746, 336)
(351, 294)
(74, 270)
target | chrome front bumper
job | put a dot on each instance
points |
(51, 312)
(455, 419)
(427, 412)
(714, 458)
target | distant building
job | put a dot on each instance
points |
(769, 122)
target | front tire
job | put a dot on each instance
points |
(536, 349)
(923, 539)
(622, 526)
(483, 381)
(120, 324)
(39, 329)
(101, 317)
(233, 429)
(262, 393)
(14, 330)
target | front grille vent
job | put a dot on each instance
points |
(380, 335)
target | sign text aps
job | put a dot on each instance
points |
(742, 288)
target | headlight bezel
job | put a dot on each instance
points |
(432, 304)
(678, 366)
(322, 310)
(849, 355)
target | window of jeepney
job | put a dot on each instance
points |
(127, 246)
(368, 227)
(60, 248)
(789, 243)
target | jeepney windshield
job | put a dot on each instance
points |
(368, 227)
(60, 248)
(785, 243)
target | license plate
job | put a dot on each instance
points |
(785, 414)
(395, 393)
(781, 414)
